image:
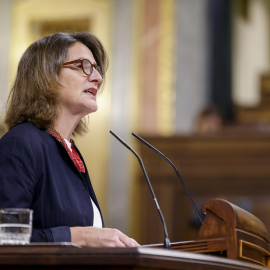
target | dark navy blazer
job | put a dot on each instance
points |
(36, 172)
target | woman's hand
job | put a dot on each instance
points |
(100, 237)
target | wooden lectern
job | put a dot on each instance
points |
(235, 238)
(232, 232)
(68, 257)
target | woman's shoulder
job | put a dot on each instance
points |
(27, 132)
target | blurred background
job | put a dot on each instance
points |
(192, 77)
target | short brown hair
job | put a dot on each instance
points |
(33, 96)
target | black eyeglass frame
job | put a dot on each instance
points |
(92, 66)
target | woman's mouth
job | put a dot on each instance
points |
(91, 91)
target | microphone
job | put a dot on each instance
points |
(176, 171)
(167, 243)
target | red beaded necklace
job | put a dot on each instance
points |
(73, 154)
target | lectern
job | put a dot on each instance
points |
(231, 232)
(229, 239)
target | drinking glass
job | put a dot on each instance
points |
(15, 225)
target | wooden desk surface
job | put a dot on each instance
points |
(71, 257)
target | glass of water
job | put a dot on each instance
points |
(15, 225)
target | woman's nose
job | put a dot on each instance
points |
(95, 76)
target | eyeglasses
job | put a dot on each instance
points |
(84, 64)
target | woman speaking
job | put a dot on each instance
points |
(57, 83)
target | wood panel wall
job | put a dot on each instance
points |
(235, 167)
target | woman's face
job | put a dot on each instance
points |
(78, 90)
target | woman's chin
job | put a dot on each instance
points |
(92, 109)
